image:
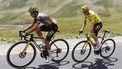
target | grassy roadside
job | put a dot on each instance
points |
(68, 27)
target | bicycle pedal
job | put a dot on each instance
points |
(97, 52)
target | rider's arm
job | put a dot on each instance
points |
(33, 28)
(83, 26)
(29, 26)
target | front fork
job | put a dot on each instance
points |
(27, 45)
(83, 50)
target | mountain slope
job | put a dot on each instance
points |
(12, 11)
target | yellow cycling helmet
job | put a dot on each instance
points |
(85, 8)
(33, 9)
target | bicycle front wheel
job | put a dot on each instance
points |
(15, 56)
(108, 48)
(81, 51)
(60, 49)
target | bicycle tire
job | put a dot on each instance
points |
(12, 47)
(67, 50)
(75, 48)
(114, 46)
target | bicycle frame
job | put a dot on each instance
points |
(103, 37)
(88, 38)
(87, 41)
(31, 40)
(85, 46)
(90, 41)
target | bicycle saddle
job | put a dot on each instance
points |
(107, 31)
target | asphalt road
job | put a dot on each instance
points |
(93, 62)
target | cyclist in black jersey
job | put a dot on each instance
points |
(42, 22)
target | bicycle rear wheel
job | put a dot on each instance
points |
(16, 58)
(60, 49)
(81, 51)
(108, 48)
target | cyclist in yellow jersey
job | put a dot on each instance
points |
(96, 26)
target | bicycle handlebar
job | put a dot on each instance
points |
(30, 38)
(83, 33)
(26, 37)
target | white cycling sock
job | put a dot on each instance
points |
(49, 52)
(98, 45)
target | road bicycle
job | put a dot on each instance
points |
(82, 49)
(22, 53)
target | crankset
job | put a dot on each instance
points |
(44, 54)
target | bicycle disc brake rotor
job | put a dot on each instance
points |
(82, 51)
(22, 55)
(106, 48)
(58, 50)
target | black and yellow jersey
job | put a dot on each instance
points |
(92, 17)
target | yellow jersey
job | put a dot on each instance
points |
(93, 17)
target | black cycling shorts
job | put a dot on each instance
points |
(50, 29)
(97, 28)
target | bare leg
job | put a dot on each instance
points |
(94, 37)
(38, 32)
(96, 44)
(47, 45)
